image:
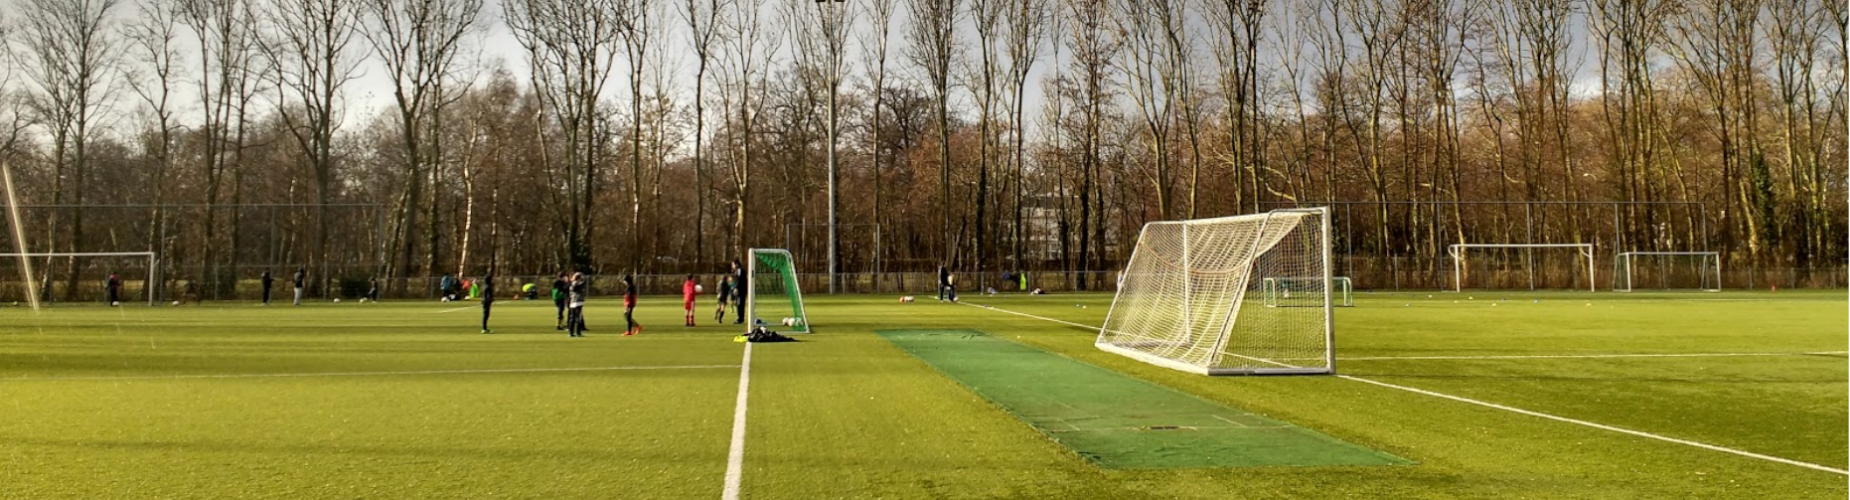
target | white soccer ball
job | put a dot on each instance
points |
(115, 303)
(337, 300)
(790, 321)
(700, 289)
(362, 300)
(445, 299)
(176, 302)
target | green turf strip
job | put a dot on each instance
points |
(1118, 421)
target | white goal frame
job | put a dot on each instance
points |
(1457, 251)
(1219, 349)
(154, 262)
(1339, 285)
(1624, 261)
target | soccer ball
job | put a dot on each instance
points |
(790, 321)
(115, 303)
(337, 300)
(445, 299)
(905, 299)
(176, 302)
(700, 289)
(362, 300)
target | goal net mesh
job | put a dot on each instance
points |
(774, 297)
(1667, 271)
(1182, 301)
(78, 278)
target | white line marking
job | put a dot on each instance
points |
(1604, 427)
(1597, 356)
(1643, 434)
(370, 374)
(457, 309)
(735, 456)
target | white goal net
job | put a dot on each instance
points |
(1667, 271)
(1511, 265)
(81, 277)
(1182, 302)
(1307, 292)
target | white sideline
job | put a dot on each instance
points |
(1643, 434)
(735, 455)
(1531, 413)
(1595, 356)
(370, 374)
(457, 309)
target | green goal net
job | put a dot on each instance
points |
(774, 299)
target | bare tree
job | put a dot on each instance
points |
(225, 32)
(821, 39)
(702, 18)
(1027, 22)
(310, 44)
(1716, 46)
(154, 34)
(71, 59)
(750, 55)
(986, 17)
(1795, 35)
(636, 20)
(1237, 27)
(419, 42)
(882, 16)
(572, 48)
(933, 46)
(1156, 53)
(1091, 60)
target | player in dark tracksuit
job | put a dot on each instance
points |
(113, 289)
(725, 296)
(488, 299)
(267, 281)
(739, 284)
(558, 301)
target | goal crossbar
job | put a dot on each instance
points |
(153, 262)
(1456, 251)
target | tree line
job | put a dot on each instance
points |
(991, 135)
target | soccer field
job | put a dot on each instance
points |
(1451, 395)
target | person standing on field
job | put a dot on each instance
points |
(301, 278)
(688, 293)
(725, 295)
(372, 289)
(947, 288)
(559, 292)
(488, 299)
(629, 305)
(112, 289)
(575, 306)
(739, 289)
(267, 282)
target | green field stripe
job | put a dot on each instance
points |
(1119, 421)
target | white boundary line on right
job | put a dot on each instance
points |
(1596, 356)
(735, 454)
(1532, 413)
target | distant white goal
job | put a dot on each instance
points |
(1667, 271)
(92, 273)
(1307, 292)
(1183, 299)
(1460, 253)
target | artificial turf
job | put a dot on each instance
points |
(1119, 421)
(408, 400)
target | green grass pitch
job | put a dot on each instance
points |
(408, 400)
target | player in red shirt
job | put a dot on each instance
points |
(689, 290)
(629, 305)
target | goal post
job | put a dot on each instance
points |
(1667, 271)
(1459, 251)
(1182, 302)
(1307, 292)
(99, 274)
(774, 292)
